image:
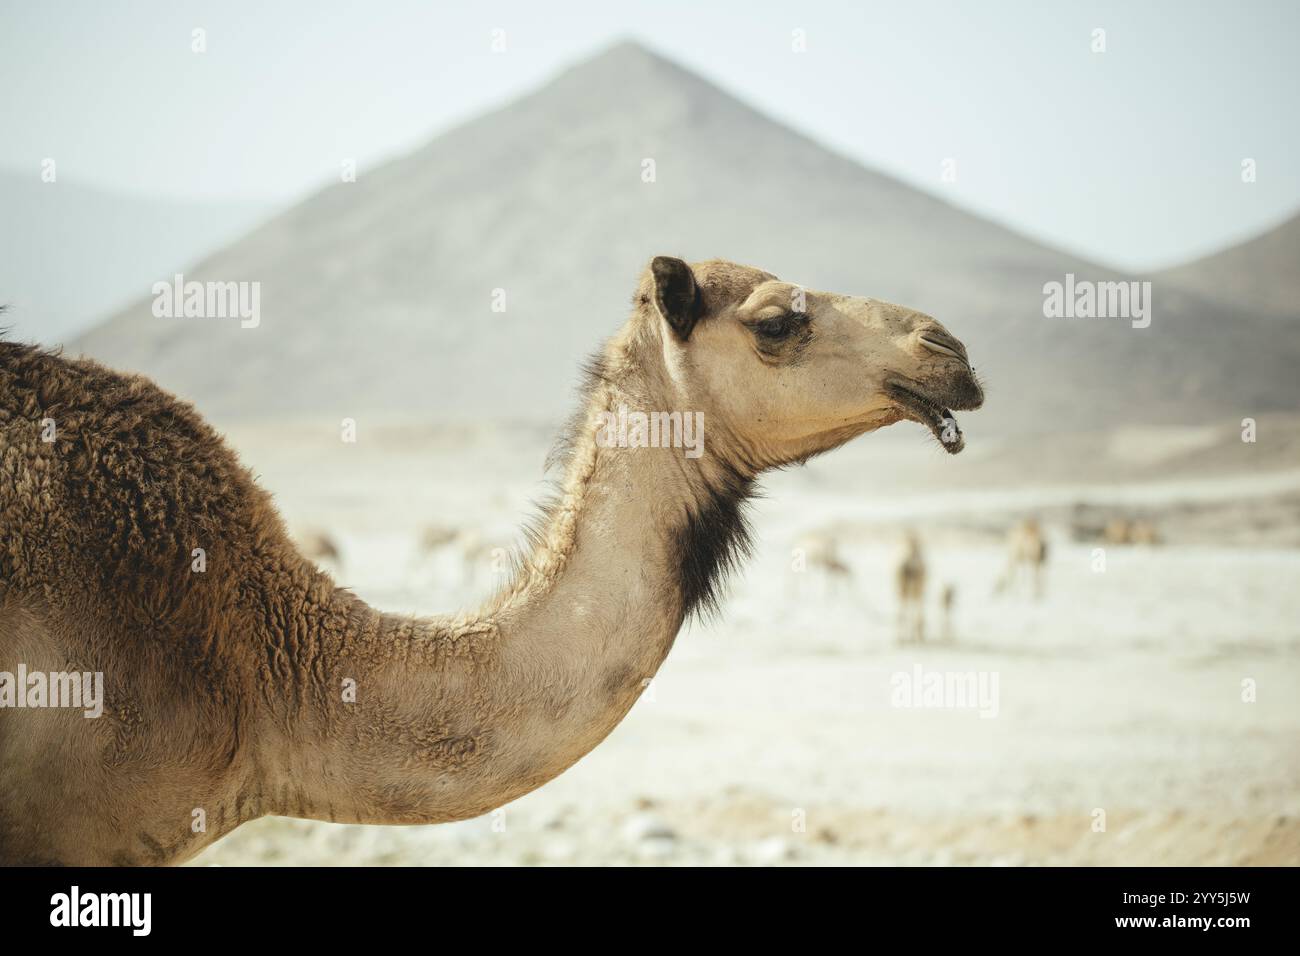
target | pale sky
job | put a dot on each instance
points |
(1131, 156)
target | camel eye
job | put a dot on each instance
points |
(776, 329)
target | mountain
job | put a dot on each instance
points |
(70, 254)
(376, 295)
(1262, 273)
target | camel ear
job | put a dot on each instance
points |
(676, 295)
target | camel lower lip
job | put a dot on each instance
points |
(938, 418)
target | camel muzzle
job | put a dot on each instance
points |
(932, 404)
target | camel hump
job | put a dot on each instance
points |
(117, 473)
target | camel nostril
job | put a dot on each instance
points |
(944, 344)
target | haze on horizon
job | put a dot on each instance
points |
(1130, 157)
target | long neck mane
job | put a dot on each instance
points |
(455, 716)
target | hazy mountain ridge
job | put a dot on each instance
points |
(1262, 273)
(69, 251)
(376, 295)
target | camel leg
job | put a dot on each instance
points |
(1003, 581)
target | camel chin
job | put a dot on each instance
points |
(937, 417)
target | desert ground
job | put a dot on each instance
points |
(1146, 709)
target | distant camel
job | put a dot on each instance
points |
(1139, 531)
(473, 550)
(320, 547)
(820, 551)
(947, 604)
(252, 686)
(1118, 531)
(1144, 532)
(435, 537)
(479, 554)
(910, 577)
(1026, 557)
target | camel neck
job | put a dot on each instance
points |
(648, 506)
(452, 717)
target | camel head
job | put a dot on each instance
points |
(790, 372)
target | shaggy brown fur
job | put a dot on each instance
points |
(240, 682)
(97, 534)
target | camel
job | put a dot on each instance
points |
(319, 546)
(1026, 557)
(475, 553)
(1117, 531)
(947, 605)
(1137, 531)
(256, 687)
(1144, 532)
(435, 537)
(910, 577)
(820, 551)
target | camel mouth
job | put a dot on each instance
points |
(933, 415)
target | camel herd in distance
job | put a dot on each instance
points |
(820, 566)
